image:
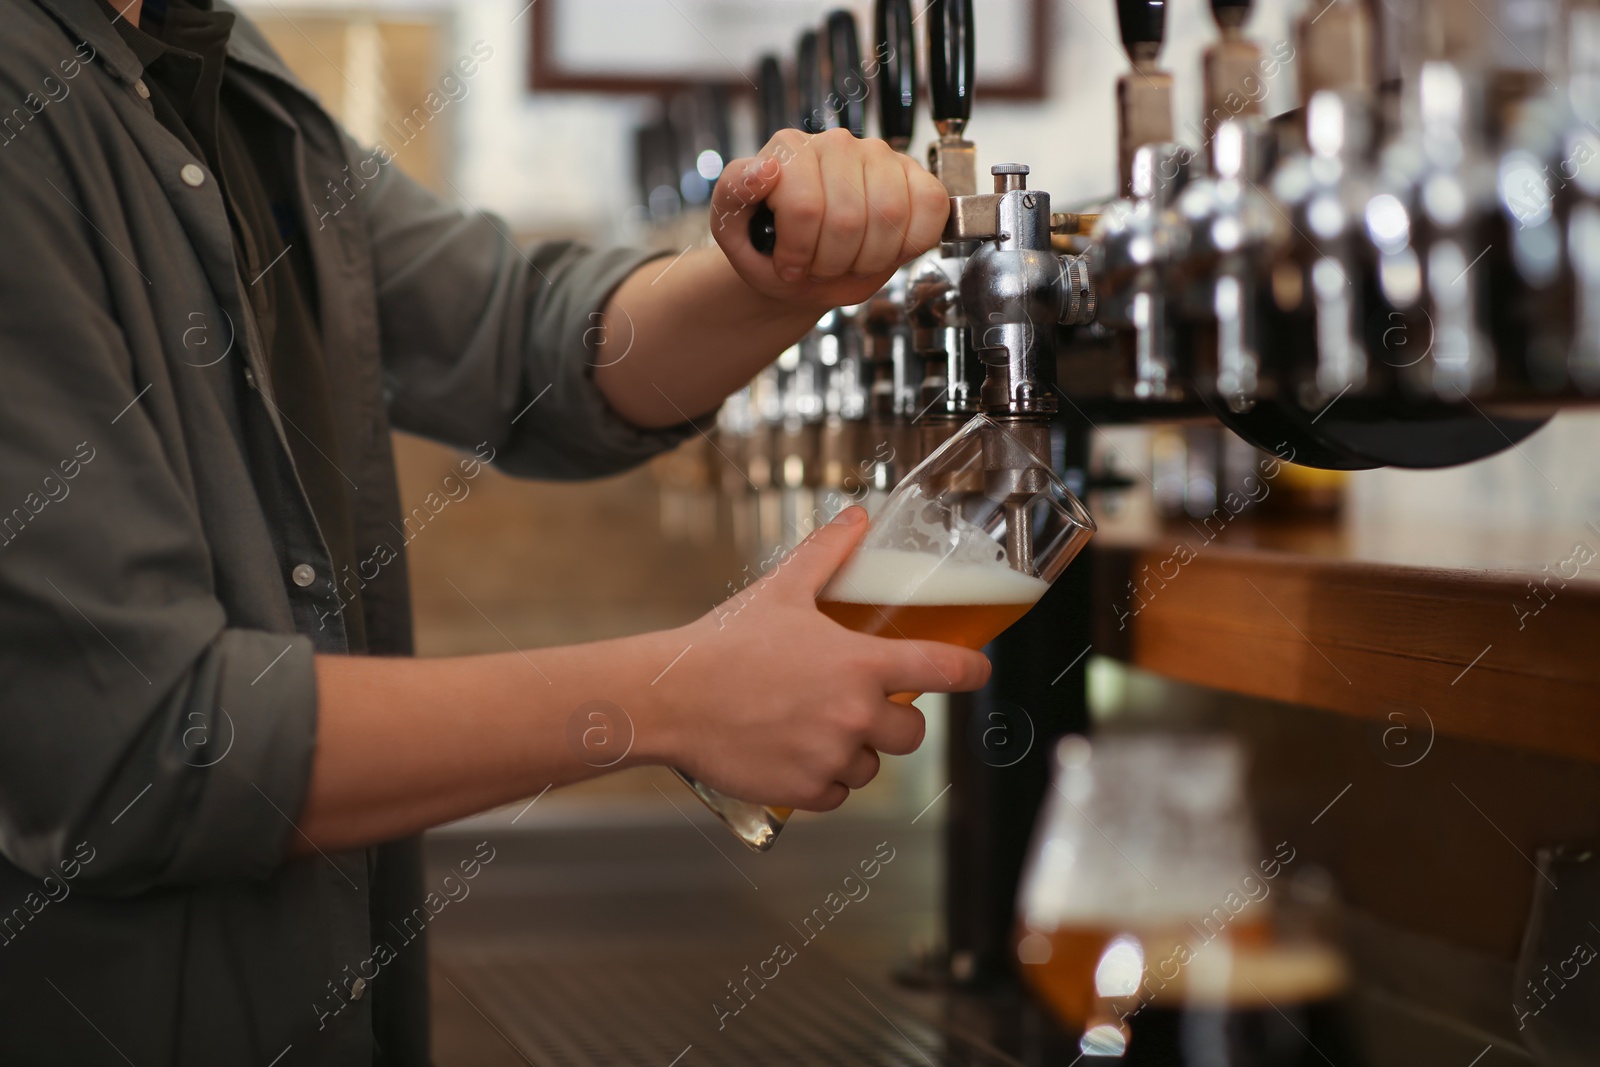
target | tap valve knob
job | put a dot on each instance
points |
(1009, 176)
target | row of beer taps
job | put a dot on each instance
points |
(876, 387)
(1404, 270)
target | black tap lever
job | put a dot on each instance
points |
(848, 97)
(1143, 24)
(772, 97)
(951, 46)
(1144, 96)
(812, 118)
(896, 60)
(808, 83)
(772, 107)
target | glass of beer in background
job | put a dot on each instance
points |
(960, 550)
(1151, 920)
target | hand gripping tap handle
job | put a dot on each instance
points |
(897, 71)
(845, 101)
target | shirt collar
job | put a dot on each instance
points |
(146, 48)
(86, 21)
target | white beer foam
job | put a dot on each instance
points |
(887, 576)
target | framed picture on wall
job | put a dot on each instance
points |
(656, 46)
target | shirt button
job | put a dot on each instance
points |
(192, 175)
(303, 575)
(142, 89)
(250, 377)
(358, 988)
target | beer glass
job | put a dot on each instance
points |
(1147, 915)
(961, 549)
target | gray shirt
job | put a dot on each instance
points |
(163, 583)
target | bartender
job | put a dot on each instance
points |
(215, 751)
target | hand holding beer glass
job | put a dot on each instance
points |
(961, 549)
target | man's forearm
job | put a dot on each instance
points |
(681, 334)
(405, 744)
(735, 698)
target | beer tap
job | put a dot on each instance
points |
(939, 335)
(1228, 68)
(1135, 236)
(1326, 190)
(1144, 94)
(1364, 284)
(1581, 200)
(1230, 225)
(895, 368)
(1432, 221)
(1015, 290)
(1540, 270)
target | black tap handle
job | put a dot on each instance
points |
(1143, 23)
(897, 70)
(763, 229)
(813, 116)
(1230, 12)
(950, 59)
(848, 89)
(772, 97)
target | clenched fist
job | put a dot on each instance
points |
(776, 703)
(849, 212)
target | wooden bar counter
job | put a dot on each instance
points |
(1493, 634)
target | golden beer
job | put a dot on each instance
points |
(1065, 968)
(919, 596)
(1175, 999)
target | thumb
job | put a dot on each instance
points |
(810, 565)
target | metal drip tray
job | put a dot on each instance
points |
(656, 1009)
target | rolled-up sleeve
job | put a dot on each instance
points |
(484, 340)
(132, 727)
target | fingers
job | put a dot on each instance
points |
(863, 768)
(827, 800)
(816, 558)
(888, 198)
(844, 206)
(844, 192)
(930, 667)
(898, 730)
(798, 203)
(929, 207)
